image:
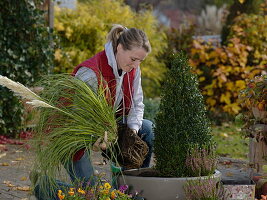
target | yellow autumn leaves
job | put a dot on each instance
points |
(222, 71)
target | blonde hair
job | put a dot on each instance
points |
(128, 38)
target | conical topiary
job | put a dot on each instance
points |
(181, 122)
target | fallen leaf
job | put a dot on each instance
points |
(3, 147)
(23, 178)
(224, 135)
(24, 188)
(2, 155)
(229, 174)
(8, 184)
(4, 164)
(227, 162)
(19, 159)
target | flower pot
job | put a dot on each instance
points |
(157, 188)
(240, 191)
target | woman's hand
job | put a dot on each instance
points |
(101, 143)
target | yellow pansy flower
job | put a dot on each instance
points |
(105, 191)
(113, 195)
(71, 191)
(107, 185)
(60, 195)
(81, 191)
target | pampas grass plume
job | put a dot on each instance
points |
(18, 88)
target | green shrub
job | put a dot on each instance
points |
(25, 55)
(181, 122)
(83, 33)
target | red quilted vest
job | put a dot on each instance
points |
(99, 64)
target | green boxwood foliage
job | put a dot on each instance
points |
(25, 55)
(83, 33)
(181, 121)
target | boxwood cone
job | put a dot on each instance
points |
(181, 122)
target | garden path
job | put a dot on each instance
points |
(16, 163)
(15, 166)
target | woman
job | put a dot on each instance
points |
(119, 66)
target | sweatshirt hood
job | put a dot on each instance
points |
(112, 60)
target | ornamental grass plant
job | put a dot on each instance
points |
(182, 127)
(72, 117)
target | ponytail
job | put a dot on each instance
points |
(115, 34)
(128, 38)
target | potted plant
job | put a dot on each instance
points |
(183, 146)
(253, 100)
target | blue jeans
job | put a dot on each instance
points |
(83, 171)
(80, 172)
(147, 135)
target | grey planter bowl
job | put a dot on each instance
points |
(157, 188)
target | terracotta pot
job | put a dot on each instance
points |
(157, 188)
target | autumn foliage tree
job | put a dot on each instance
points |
(223, 69)
(237, 8)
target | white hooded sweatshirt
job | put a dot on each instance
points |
(135, 116)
